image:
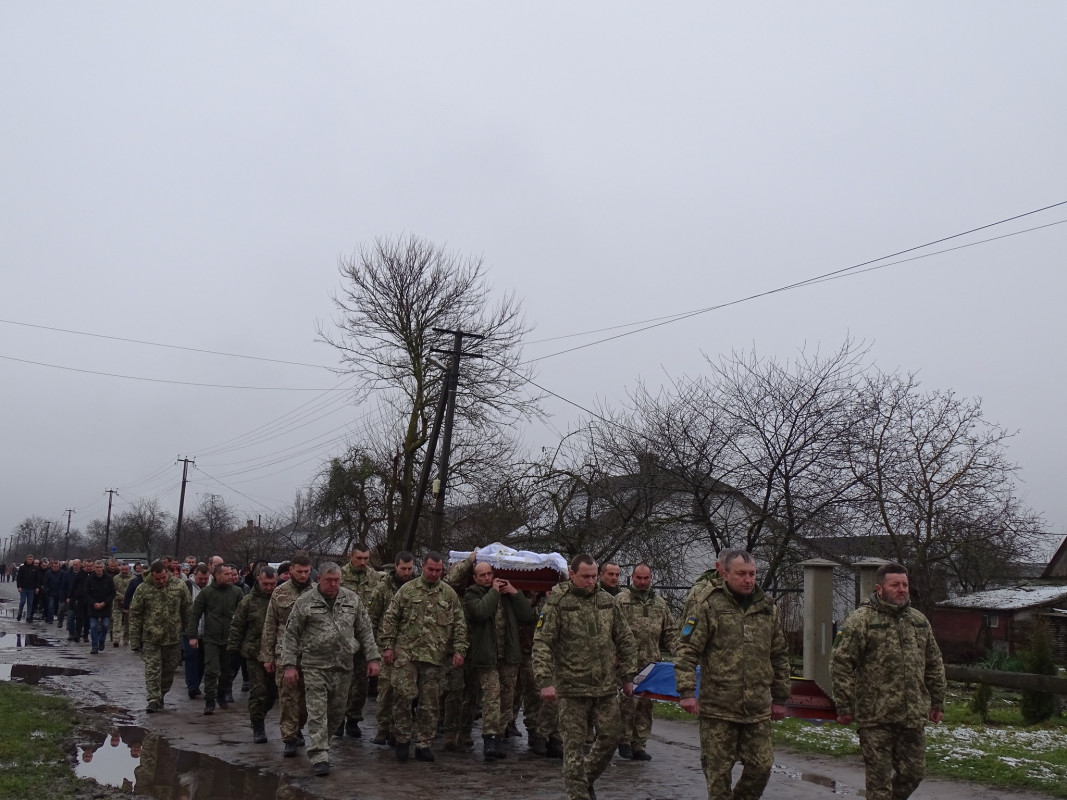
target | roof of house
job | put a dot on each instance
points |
(1010, 599)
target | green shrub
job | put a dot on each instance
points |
(1039, 706)
(979, 703)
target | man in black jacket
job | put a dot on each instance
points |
(27, 581)
(99, 597)
(77, 624)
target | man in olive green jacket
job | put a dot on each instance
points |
(583, 649)
(493, 609)
(216, 603)
(246, 635)
(888, 676)
(732, 631)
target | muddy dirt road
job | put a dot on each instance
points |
(182, 754)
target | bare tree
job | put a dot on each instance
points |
(143, 528)
(394, 293)
(210, 528)
(939, 485)
(791, 425)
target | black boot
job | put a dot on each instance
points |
(489, 747)
(496, 750)
(512, 729)
(259, 732)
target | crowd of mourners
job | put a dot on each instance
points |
(446, 647)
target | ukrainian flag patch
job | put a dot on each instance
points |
(690, 623)
(541, 619)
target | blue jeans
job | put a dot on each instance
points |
(26, 599)
(98, 631)
(51, 609)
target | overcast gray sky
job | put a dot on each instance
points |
(190, 173)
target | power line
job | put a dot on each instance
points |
(855, 269)
(161, 344)
(165, 380)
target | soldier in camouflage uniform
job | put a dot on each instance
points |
(423, 624)
(157, 615)
(216, 604)
(292, 710)
(246, 637)
(650, 620)
(325, 629)
(120, 625)
(403, 571)
(888, 676)
(581, 649)
(357, 576)
(733, 633)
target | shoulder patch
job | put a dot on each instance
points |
(541, 619)
(690, 623)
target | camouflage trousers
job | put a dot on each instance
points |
(120, 623)
(722, 744)
(482, 684)
(326, 692)
(895, 760)
(527, 697)
(547, 726)
(636, 721)
(160, 661)
(581, 769)
(411, 680)
(452, 683)
(262, 691)
(357, 694)
(292, 710)
(385, 700)
(217, 677)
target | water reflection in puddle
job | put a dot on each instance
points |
(23, 640)
(34, 674)
(131, 758)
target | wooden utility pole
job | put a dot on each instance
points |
(181, 502)
(66, 540)
(446, 409)
(107, 527)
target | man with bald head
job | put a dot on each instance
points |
(650, 620)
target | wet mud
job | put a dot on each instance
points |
(180, 754)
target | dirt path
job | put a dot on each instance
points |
(183, 754)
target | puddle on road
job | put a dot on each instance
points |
(33, 674)
(8, 639)
(835, 787)
(133, 759)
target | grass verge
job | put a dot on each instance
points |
(34, 741)
(1000, 751)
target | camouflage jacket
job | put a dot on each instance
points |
(246, 630)
(122, 583)
(158, 614)
(380, 599)
(278, 610)
(580, 636)
(324, 635)
(363, 583)
(886, 666)
(650, 620)
(424, 622)
(742, 654)
(217, 605)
